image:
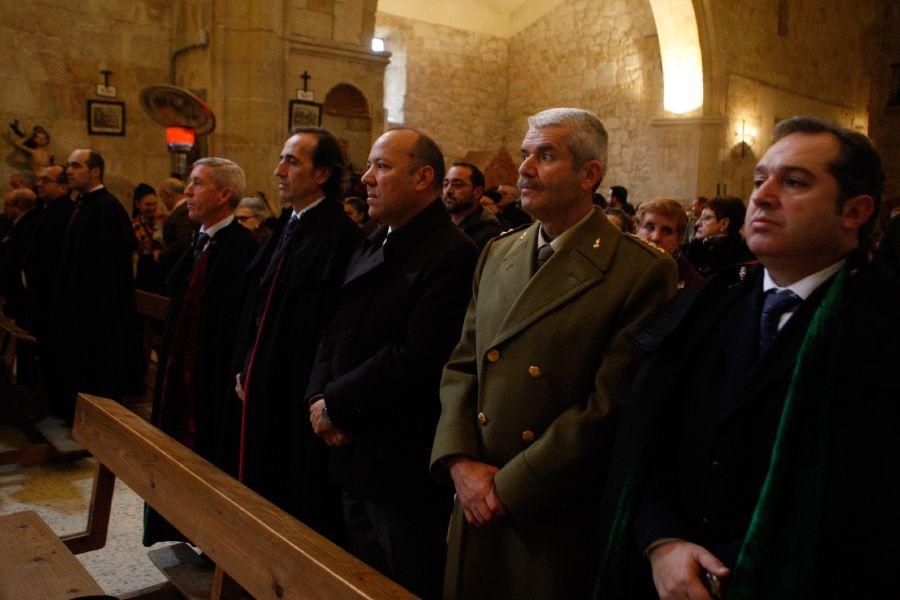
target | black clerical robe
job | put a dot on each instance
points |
(43, 259)
(194, 375)
(287, 304)
(96, 333)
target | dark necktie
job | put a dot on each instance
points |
(543, 255)
(288, 231)
(775, 304)
(199, 245)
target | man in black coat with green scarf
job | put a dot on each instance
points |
(758, 455)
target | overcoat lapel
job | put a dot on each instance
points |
(577, 266)
(365, 259)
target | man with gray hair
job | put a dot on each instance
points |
(532, 392)
(208, 285)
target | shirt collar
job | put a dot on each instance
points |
(211, 231)
(806, 286)
(303, 211)
(94, 189)
(556, 243)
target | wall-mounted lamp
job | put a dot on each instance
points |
(377, 45)
(746, 135)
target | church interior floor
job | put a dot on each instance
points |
(60, 492)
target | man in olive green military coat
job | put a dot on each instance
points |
(531, 395)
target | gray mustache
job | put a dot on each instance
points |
(532, 183)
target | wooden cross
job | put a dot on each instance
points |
(305, 77)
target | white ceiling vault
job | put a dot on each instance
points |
(502, 18)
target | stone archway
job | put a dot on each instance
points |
(346, 114)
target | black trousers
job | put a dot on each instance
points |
(408, 545)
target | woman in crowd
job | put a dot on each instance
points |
(718, 242)
(148, 231)
(253, 213)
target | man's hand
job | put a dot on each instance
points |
(238, 388)
(474, 483)
(324, 428)
(676, 570)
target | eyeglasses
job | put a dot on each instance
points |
(456, 184)
(241, 219)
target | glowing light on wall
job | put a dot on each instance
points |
(679, 46)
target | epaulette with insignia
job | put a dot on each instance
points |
(647, 243)
(513, 230)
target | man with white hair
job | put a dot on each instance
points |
(532, 393)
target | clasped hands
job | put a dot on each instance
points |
(475, 490)
(324, 428)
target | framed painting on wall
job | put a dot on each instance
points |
(303, 113)
(105, 117)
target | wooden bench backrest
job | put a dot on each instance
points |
(268, 552)
(151, 305)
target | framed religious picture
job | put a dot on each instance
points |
(105, 117)
(303, 113)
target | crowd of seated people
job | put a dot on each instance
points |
(503, 391)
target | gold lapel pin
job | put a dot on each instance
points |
(597, 243)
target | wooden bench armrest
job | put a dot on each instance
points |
(15, 331)
(268, 552)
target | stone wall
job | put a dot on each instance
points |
(54, 53)
(821, 65)
(602, 56)
(456, 83)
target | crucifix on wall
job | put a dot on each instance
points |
(306, 93)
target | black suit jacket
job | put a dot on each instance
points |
(279, 439)
(726, 404)
(398, 316)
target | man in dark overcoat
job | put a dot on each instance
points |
(374, 389)
(208, 287)
(759, 455)
(43, 257)
(532, 393)
(95, 335)
(293, 279)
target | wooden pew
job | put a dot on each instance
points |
(152, 309)
(266, 551)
